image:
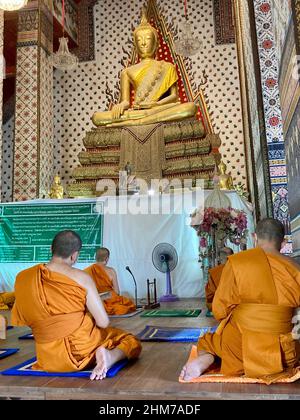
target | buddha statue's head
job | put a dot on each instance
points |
(57, 179)
(145, 38)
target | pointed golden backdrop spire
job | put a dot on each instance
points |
(145, 24)
(144, 19)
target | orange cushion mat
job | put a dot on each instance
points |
(213, 376)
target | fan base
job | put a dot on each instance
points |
(169, 298)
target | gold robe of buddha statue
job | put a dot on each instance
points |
(155, 88)
(225, 180)
(57, 190)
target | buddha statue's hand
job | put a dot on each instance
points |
(146, 105)
(118, 109)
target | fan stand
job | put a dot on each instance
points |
(168, 297)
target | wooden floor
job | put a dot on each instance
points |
(153, 376)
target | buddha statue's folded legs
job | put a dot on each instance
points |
(168, 112)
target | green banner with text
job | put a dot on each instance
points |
(27, 230)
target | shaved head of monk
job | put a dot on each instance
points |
(102, 255)
(65, 244)
(270, 233)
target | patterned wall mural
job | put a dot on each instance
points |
(224, 22)
(255, 138)
(46, 124)
(273, 121)
(32, 170)
(86, 40)
(7, 159)
(77, 94)
(26, 123)
(70, 15)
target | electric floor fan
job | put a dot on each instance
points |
(165, 259)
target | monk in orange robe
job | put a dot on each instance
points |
(255, 301)
(106, 280)
(215, 277)
(7, 300)
(68, 320)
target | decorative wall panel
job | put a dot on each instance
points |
(90, 87)
(273, 121)
(26, 123)
(46, 124)
(224, 22)
(71, 20)
(33, 155)
(255, 141)
(7, 159)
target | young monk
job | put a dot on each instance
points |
(215, 277)
(68, 320)
(255, 301)
(106, 280)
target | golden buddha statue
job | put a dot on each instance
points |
(57, 190)
(155, 88)
(225, 180)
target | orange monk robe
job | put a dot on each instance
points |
(213, 282)
(116, 304)
(255, 301)
(7, 300)
(66, 336)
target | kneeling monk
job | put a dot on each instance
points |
(255, 300)
(66, 315)
(215, 274)
(105, 279)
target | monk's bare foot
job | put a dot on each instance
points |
(104, 360)
(196, 368)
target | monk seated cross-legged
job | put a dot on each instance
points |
(106, 280)
(67, 317)
(215, 274)
(255, 301)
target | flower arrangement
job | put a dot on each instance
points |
(225, 224)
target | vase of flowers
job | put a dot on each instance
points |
(216, 226)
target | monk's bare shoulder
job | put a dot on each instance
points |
(81, 277)
(111, 270)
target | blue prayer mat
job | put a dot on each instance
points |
(175, 334)
(28, 336)
(7, 352)
(25, 369)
